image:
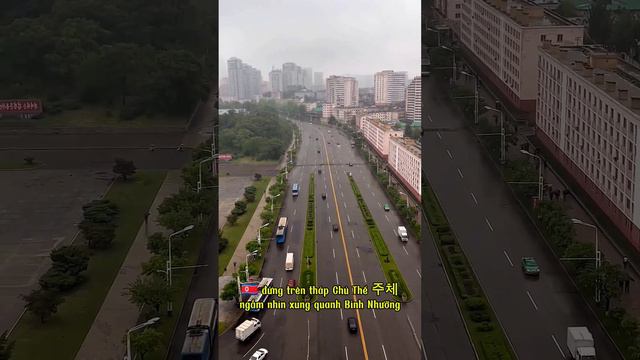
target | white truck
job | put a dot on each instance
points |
(288, 265)
(402, 234)
(580, 343)
(247, 328)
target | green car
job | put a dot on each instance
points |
(386, 207)
(530, 266)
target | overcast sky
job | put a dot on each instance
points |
(332, 36)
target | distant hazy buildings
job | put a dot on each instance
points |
(318, 81)
(342, 91)
(245, 81)
(307, 78)
(275, 81)
(389, 87)
(413, 104)
(292, 76)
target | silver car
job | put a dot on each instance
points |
(260, 354)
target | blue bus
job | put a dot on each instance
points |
(281, 231)
(198, 342)
(295, 189)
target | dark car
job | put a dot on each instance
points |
(318, 151)
(319, 171)
(352, 324)
(335, 227)
(324, 196)
(350, 164)
(291, 283)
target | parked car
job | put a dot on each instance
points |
(335, 227)
(530, 266)
(260, 354)
(386, 207)
(291, 283)
(352, 324)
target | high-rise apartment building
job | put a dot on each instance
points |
(389, 87)
(275, 80)
(244, 81)
(318, 81)
(413, 105)
(342, 91)
(307, 78)
(292, 76)
(502, 38)
(588, 118)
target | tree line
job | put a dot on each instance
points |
(135, 57)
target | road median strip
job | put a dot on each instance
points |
(487, 335)
(308, 260)
(389, 266)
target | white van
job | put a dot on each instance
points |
(288, 265)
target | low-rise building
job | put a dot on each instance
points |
(328, 110)
(405, 162)
(588, 118)
(378, 134)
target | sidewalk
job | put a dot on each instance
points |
(575, 209)
(117, 314)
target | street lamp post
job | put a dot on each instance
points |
(540, 179)
(246, 267)
(185, 229)
(267, 224)
(453, 72)
(475, 95)
(502, 134)
(200, 171)
(437, 32)
(272, 199)
(597, 258)
(407, 195)
(137, 327)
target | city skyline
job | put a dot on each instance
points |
(362, 32)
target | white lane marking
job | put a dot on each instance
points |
(348, 219)
(405, 249)
(334, 253)
(508, 258)
(281, 282)
(386, 218)
(308, 338)
(329, 218)
(327, 205)
(531, 298)
(345, 352)
(420, 275)
(292, 228)
(429, 117)
(395, 232)
(294, 212)
(357, 252)
(374, 313)
(325, 185)
(368, 185)
(474, 198)
(372, 193)
(287, 248)
(340, 185)
(337, 282)
(331, 233)
(379, 204)
(439, 136)
(341, 318)
(384, 351)
(364, 277)
(341, 194)
(254, 345)
(558, 345)
(460, 173)
(449, 153)
(488, 223)
(353, 235)
(345, 204)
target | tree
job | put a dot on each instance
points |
(252, 246)
(157, 243)
(43, 303)
(124, 168)
(222, 241)
(149, 291)
(70, 259)
(6, 347)
(155, 266)
(257, 176)
(230, 291)
(250, 193)
(97, 235)
(146, 341)
(600, 21)
(176, 220)
(567, 8)
(332, 120)
(232, 218)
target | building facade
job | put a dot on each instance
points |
(245, 82)
(292, 76)
(406, 163)
(413, 105)
(378, 134)
(275, 81)
(502, 39)
(318, 81)
(389, 87)
(307, 78)
(328, 110)
(342, 91)
(588, 118)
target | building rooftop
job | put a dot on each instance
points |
(604, 70)
(410, 145)
(528, 14)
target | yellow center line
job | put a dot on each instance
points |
(344, 248)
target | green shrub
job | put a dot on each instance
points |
(452, 249)
(446, 239)
(485, 327)
(479, 316)
(456, 260)
(475, 303)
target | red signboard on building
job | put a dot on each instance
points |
(21, 107)
(225, 157)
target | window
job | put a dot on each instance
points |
(543, 38)
(559, 38)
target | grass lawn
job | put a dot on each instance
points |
(308, 270)
(234, 233)
(62, 337)
(94, 117)
(252, 161)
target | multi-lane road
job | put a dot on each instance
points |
(344, 257)
(495, 236)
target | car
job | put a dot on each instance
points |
(319, 171)
(336, 227)
(337, 143)
(350, 164)
(291, 283)
(352, 324)
(318, 151)
(324, 196)
(259, 354)
(329, 142)
(386, 207)
(530, 266)
(350, 175)
(316, 139)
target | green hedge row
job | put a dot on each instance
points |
(308, 260)
(489, 339)
(389, 267)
